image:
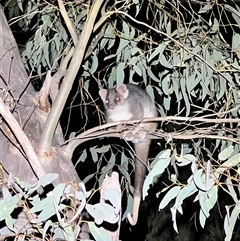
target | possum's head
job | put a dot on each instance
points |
(114, 99)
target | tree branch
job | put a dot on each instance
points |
(68, 22)
(54, 115)
(22, 139)
(207, 132)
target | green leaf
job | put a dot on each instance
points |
(163, 160)
(125, 28)
(99, 233)
(202, 218)
(185, 192)
(123, 43)
(44, 181)
(83, 157)
(103, 149)
(58, 192)
(230, 221)
(103, 212)
(8, 205)
(89, 177)
(231, 190)
(46, 53)
(222, 88)
(205, 8)
(151, 75)
(112, 78)
(150, 92)
(46, 206)
(171, 194)
(207, 200)
(94, 154)
(110, 165)
(226, 153)
(39, 205)
(120, 73)
(46, 227)
(165, 85)
(233, 161)
(20, 2)
(158, 51)
(72, 135)
(94, 64)
(198, 177)
(185, 160)
(163, 61)
(167, 102)
(137, 70)
(185, 95)
(215, 26)
(10, 223)
(114, 198)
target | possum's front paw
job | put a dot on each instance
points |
(136, 135)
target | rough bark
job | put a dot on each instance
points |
(21, 99)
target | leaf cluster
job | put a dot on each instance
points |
(60, 214)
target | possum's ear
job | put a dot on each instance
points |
(123, 91)
(103, 94)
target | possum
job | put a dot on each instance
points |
(125, 103)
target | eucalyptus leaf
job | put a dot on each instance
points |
(120, 73)
(94, 154)
(137, 70)
(8, 205)
(226, 153)
(89, 177)
(230, 221)
(158, 51)
(163, 61)
(58, 192)
(163, 162)
(113, 196)
(198, 177)
(102, 149)
(94, 64)
(185, 192)
(171, 194)
(102, 212)
(110, 165)
(231, 190)
(151, 75)
(185, 160)
(150, 92)
(99, 233)
(10, 223)
(202, 218)
(44, 181)
(205, 8)
(233, 161)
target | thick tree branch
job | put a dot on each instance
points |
(22, 139)
(58, 105)
(68, 22)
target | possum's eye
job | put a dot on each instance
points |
(107, 101)
(117, 99)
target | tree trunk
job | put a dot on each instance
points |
(18, 145)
